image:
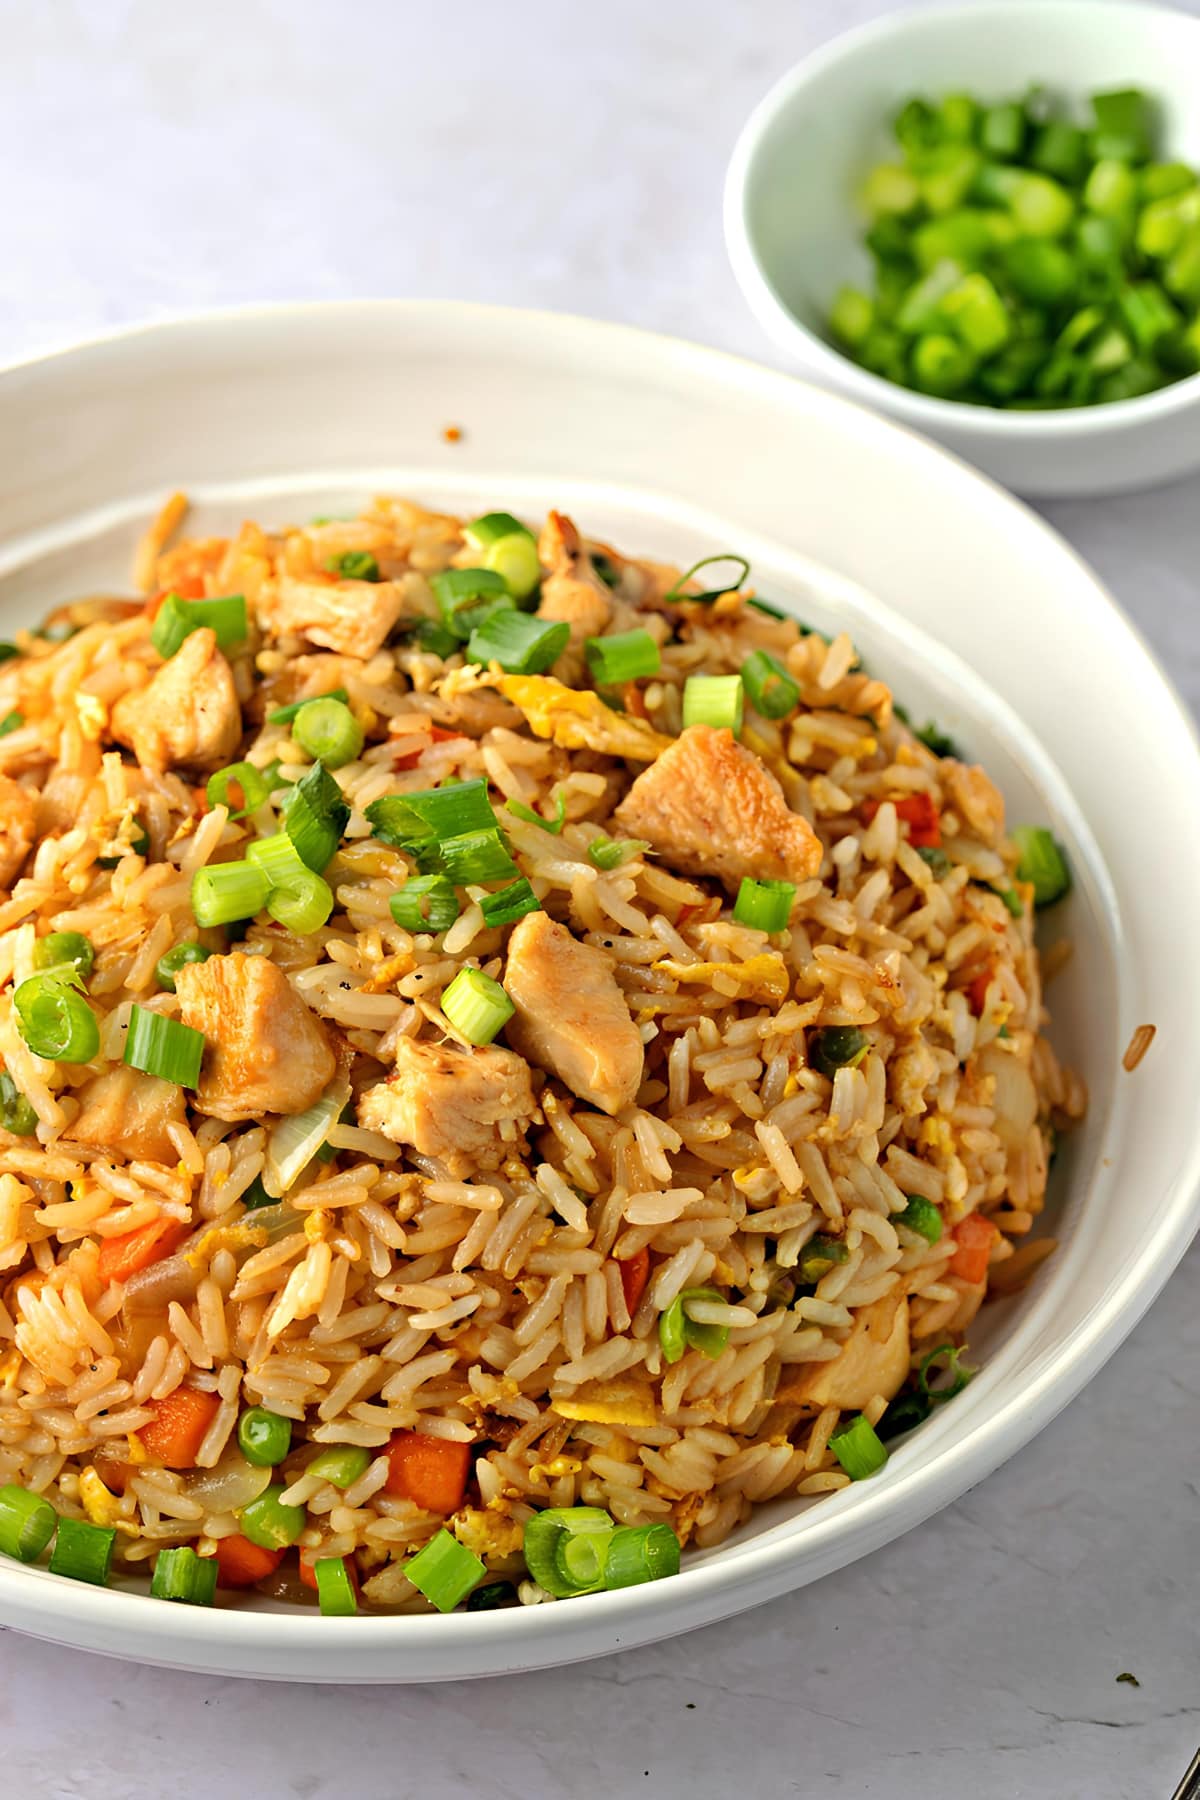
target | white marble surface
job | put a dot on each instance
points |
(158, 158)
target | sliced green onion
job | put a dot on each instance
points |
(493, 527)
(59, 947)
(565, 1549)
(509, 904)
(355, 565)
(466, 596)
(16, 1113)
(12, 721)
(1124, 125)
(936, 857)
(638, 1553)
(921, 1216)
(936, 740)
(163, 1047)
(1012, 901)
(476, 1006)
(492, 1596)
(476, 856)
(301, 902)
(426, 903)
(1042, 863)
(837, 1047)
(179, 1574)
(315, 816)
(224, 892)
(7, 650)
(341, 1465)
(55, 1021)
(335, 1590)
(625, 656)
(408, 821)
(177, 619)
(675, 592)
(818, 1256)
(764, 905)
(905, 1412)
(678, 1332)
(858, 1449)
(251, 785)
(277, 857)
(445, 1571)
(716, 700)
(283, 715)
(264, 1437)
(611, 853)
(293, 1142)
(83, 1552)
(770, 688)
(671, 1333)
(270, 1524)
(958, 1374)
(519, 642)
(256, 1196)
(435, 638)
(27, 1523)
(553, 826)
(328, 731)
(509, 549)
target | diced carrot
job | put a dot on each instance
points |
(308, 1574)
(632, 700)
(635, 1273)
(977, 992)
(431, 1472)
(188, 587)
(176, 1432)
(974, 1237)
(121, 1257)
(241, 1563)
(919, 813)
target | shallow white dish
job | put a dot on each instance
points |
(794, 232)
(978, 614)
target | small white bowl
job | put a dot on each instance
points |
(794, 230)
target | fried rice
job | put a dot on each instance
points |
(711, 1195)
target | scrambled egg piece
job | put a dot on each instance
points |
(101, 1506)
(490, 1535)
(226, 1237)
(577, 719)
(623, 1400)
(762, 977)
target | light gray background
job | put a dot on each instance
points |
(157, 157)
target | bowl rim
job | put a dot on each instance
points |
(787, 329)
(304, 1646)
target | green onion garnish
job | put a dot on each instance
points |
(315, 816)
(426, 903)
(328, 731)
(177, 619)
(476, 856)
(764, 905)
(241, 787)
(858, 1449)
(958, 1374)
(179, 1574)
(520, 643)
(716, 700)
(12, 721)
(625, 656)
(553, 826)
(256, 1195)
(638, 1553)
(335, 1590)
(509, 549)
(1012, 901)
(466, 596)
(492, 1596)
(409, 821)
(355, 565)
(54, 1019)
(476, 1006)
(283, 715)
(431, 635)
(27, 1523)
(610, 853)
(1042, 863)
(509, 904)
(224, 892)
(675, 592)
(7, 650)
(770, 688)
(270, 1524)
(939, 863)
(905, 1412)
(818, 1256)
(837, 1047)
(565, 1549)
(59, 948)
(83, 1552)
(935, 739)
(264, 1437)
(277, 857)
(444, 1571)
(163, 1047)
(923, 1217)
(341, 1465)
(301, 902)
(16, 1113)
(678, 1332)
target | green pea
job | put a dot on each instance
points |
(265, 1437)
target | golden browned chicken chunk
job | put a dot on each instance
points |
(467, 1108)
(717, 810)
(18, 828)
(572, 1019)
(571, 591)
(188, 714)
(873, 1360)
(352, 617)
(267, 1053)
(127, 1112)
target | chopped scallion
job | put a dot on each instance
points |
(315, 816)
(678, 1332)
(328, 731)
(163, 1047)
(858, 1449)
(12, 721)
(445, 1571)
(610, 853)
(225, 892)
(509, 549)
(957, 1373)
(923, 1217)
(426, 903)
(54, 1019)
(179, 1574)
(519, 642)
(355, 565)
(65, 947)
(409, 821)
(565, 1549)
(16, 1113)
(27, 1523)
(241, 787)
(476, 856)
(769, 687)
(466, 596)
(639, 1553)
(676, 591)
(1041, 863)
(283, 715)
(476, 1006)
(301, 902)
(335, 1590)
(83, 1552)
(716, 700)
(177, 619)
(509, 904)
(624, 656)
(553, 826)
(764, 905)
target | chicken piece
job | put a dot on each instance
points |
(571, 591)
(267, 1053)
(977, 799)
(18, 828)
(188, 714)
(572, 1019)
(351, 617)
(127, 1113)
(712, 808)
(577, 718)
(873, 1360)
(452, 1104)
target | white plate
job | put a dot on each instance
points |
(975, 611)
